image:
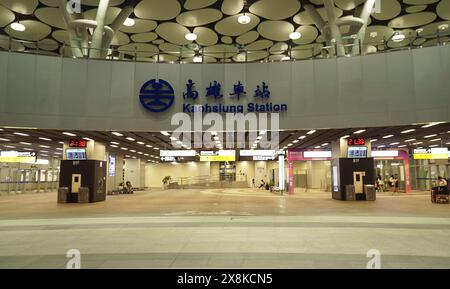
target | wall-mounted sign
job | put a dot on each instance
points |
(431, 154)
(112, 166)
(317, 154)
(218, 156)
(18, 157)
(263, 158)
(357, 152)
(177, 153)
(168, 159)
(76, 154)
(358, 141)
(77, 143)
(157, 95)
(385, 154)
(257, 153)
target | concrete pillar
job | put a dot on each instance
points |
(335, 32)
(364, 15)
(97, 37)
(74, 44)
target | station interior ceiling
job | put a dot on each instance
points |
(146, 145)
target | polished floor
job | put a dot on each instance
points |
(224, 228)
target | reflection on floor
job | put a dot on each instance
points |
(224, 228)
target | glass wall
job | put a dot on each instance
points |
(424, 173)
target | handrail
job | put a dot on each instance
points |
(234, 55)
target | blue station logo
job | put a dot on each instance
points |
(157, 95)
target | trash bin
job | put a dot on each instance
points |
(83, 195)
(62, 195)
(350, 193)
(370, 192)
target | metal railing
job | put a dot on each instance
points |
(234, 53)
(207, 181)
(14, 187)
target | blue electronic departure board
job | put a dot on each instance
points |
(76, 154)
(357, 152)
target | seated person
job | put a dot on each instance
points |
(442, 184)
(122, 189)
(129, 188)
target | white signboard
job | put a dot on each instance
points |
(317, 154)
(259, 153)
(177, 153)
(384, 154)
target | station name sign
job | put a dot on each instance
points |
(18, 157)
(431, 154)
(218, 156)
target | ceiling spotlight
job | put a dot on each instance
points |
(373, 34)
(443, 26)
(129, 22)
(191, 36)
(18, 26)
(244, 19)
(398, 37)
(295, 35)
(197, 59)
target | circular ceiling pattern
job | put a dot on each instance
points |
(34, 31)
(443, 9)
(25, 7)
(158, 9)
(51, 16)
(165, 23)
(144, 37)
(275, 30)
(416, 8)
(275, 9)
(199, 17)
(231, 27)
(412, 20)
(6, 16)
(198, 4)
(140, 26)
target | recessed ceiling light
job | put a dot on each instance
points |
(443, 26)
(129, 22)
(296, 141)
(130, 139)
(381, 146)
(117, 133)
(295, 35)
(133, 151)
(345, 136)
(4, 139)
(325, 144)
(21, 134)
(60, 149)
(25, 143)
(410, 140)
(11, 147)
(114, 146)
(388, 136)
(311, 131)
(398, 37)
(61, 142)
(433, 146)
(244, 19)
(173, 138)
(88, 139)
(191, 36)
(436, 139)
(18, 26)
(359, 131)
(44, 151)
(408, 130)
(302, 137)
(431, 124)
(431, 135)
(289, 145)
(156, 148)
(69, 133)
(140, 142)
(43, 146)
(165, 133)
(373, 140)
(418, 143)
(113, 142)
(317, 147)
(124, 149)
(44, 138)
(402, 146)
(149, 146)
(197, 59)
(394, 143)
